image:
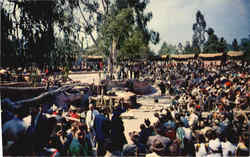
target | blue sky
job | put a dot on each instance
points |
(173, 19)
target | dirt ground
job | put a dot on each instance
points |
(134, 117)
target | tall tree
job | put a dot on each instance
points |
(8, 42)
(188, 49)
(180, 48)
(222, 45)
(167, 49)
(134, 47)
(126, 17)
(40, 23)
(96, 13)
(115, 29)
(235, 45)
(36, 24)
(212, 44)
(245, 47)
(164, 49)
(199, 29)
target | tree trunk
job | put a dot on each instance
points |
(112, 57)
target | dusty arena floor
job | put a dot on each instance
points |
(134, 117)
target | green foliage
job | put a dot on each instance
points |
(65, 53)
(37, 22)
(126, 25)
(180, 48)
(47, 32)
(188, 48)
(213, 44)
(8, 45)
(141, 18)
(245, 47)
(92, 51)
(210, 31)
(199, 29)
(133, 47)
(223, 45)
(235, 45)
(167, 49)
(117, 20)
(150, 53)
(117, 26)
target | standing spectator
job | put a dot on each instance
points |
(13, 129)
(38, 129)
(100, 65)
(162, 88)
(242, 149)
(200, 147)
(136, 148)
(75, 148)
(85, 142)
(13, 133)
(228, 149)
(90, 118)
(214, 144)
(117, 133)
(102, 129)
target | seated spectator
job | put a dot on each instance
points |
(136, 148)
(200, 147)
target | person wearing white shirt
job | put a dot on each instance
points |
(90, 118)
(201, 147)
(193, 118)
(201, 150)
(188, 133)
(228, 149)
(215, 148)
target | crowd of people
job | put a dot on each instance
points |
(209, 116)
(63, 131)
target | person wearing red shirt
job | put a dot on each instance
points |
(100, 65)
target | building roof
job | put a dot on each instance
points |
(235, 53)
(210, 54)
(92, 57)
(183, 56)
